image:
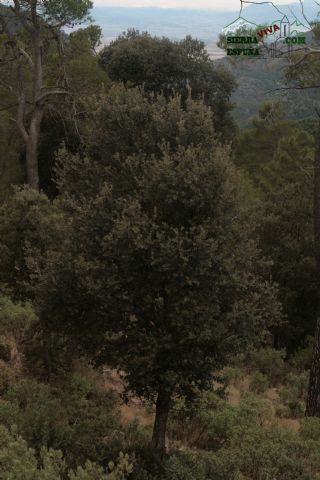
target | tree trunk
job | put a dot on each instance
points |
(46, 345)
(37, 113)
(158, 441)
(32, 149)
(313, 400)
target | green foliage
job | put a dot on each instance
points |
(294, 393)
(19, 462)
(279, 159)
(85, 75)
(161, 238)
(302, 357)
(163, 66)
(298, 382)
(134, 438)
(125, 123)
(184, 467)
(287, 232)
(233, 375)
(254, 147)
(64, 12)
(211, 423)
(10, 167)
(68, 70)
(265, 454)
(151, 253)
(15, 317)
(254, 452)
(304, 70)
(270, 363)
(27, 223)
(91, 471)
(242, 442)
(38, 415)
(76, 417)
(310, 428)
(259, 382)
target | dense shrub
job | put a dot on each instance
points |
(77, 417)
(269, 362)
(242, 442)
(259, 383)
(310, 428)
(265, 454)
(302, 357)
(39, 416)
(5, 377)
(259, 452)
(293, 395)
(184, 467)
(233, 375)
(19, 462)
(212, 422)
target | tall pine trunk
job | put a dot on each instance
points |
(313, 400)
(32, 144)
(158, 441)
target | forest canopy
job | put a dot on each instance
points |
(159, 267)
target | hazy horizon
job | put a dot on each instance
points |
(229, 5)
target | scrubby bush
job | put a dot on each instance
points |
(212, 422)
(92, 471)
(92, 413)
(301, 359)
(266, 454)
(4, 350)
(141, 473)
(293, 395)
(233, 375)
(188, 422)
(76, 417)
(259, 383)
(184, 466)
(19, 462)
(298, 382)
(252, 451)
(134, 438)
(39, 416)
(269, 362)
(310, 428)
(5, 377)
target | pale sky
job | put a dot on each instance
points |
(217, 4)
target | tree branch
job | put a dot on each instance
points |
(301, 60)
(26, 56)
(22, 104)
(7, 87)
(55, 91)
(297, 87)
(21, 15)
(7, 107)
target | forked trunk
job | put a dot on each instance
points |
(158, 441)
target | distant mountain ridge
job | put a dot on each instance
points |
(205, 25)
